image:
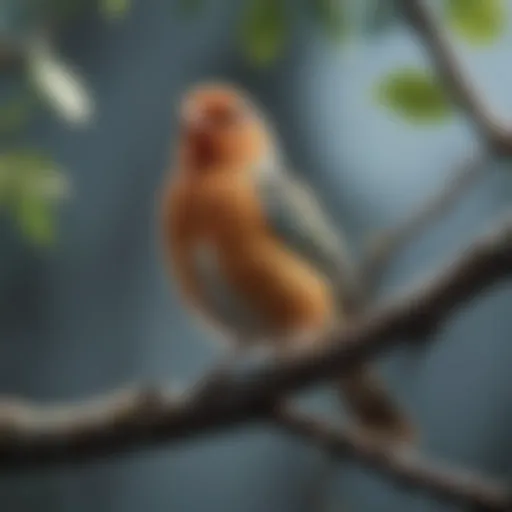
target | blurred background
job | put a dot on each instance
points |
(88, 90)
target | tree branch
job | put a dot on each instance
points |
(402, 465)
(33, 436)
(456, 82)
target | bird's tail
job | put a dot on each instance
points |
(377, 413)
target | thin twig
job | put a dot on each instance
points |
(388, 243)
(404, 465)
(33, 436)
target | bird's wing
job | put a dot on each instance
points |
(296, 216)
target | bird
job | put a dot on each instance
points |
(252, 251)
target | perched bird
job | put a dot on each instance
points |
(250, 247)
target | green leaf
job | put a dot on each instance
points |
(114, 9)
(264, 30)
(414, 94)
(331, 15)
(29, 170)
(30, 186)
(35, 219)
(477, 21)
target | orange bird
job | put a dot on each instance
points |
(250, 247)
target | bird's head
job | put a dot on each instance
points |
(221, 128)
